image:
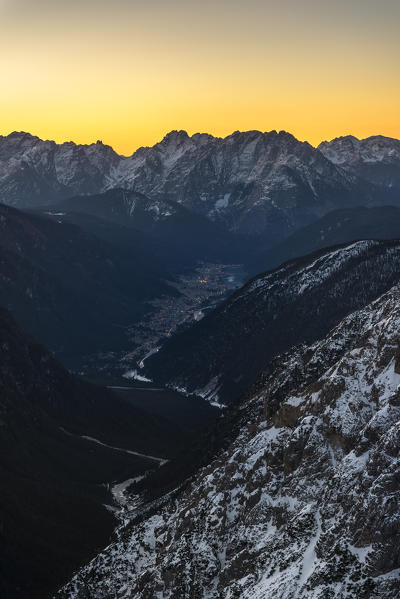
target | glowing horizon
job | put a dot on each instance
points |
(129, 71)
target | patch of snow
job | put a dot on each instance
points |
(133, 375)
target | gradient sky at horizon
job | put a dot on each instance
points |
(128, 71)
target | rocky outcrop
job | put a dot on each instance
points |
(376, 159)
(35, 172)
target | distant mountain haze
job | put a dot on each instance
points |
(338, 226)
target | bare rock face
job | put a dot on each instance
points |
(304, 503)
(246, 181)
(35, 172)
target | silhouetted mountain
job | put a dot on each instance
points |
(299, 301)
(175, 235)
(336, 227)
(53, 480)
(74, 292)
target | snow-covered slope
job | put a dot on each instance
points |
(300, 300)
(303, 504)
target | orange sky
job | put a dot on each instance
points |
(128, 71)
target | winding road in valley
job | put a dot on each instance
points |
(160, 461)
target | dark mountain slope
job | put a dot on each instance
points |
(177, 236)
(299, 301)
(74, 292)
(126, 207)
(51, 479)
(339, 226)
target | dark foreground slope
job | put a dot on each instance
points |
(74, 292)
(52, 481)
(303, 503)
(299, 301)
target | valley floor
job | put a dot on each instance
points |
(200, 291)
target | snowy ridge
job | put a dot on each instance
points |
(304, 502)
(348, 150)
(375, 159)
(312, 274)
(302, 299)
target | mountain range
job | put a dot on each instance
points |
(249, 183)
(177, 237)
(334, 228)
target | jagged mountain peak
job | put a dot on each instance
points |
(174, 136)
(360, 140)
(268, 137)
(28, 141)
(19, 135)
(182, 136)
(375, 159)
(203, 137)
(349, 149)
